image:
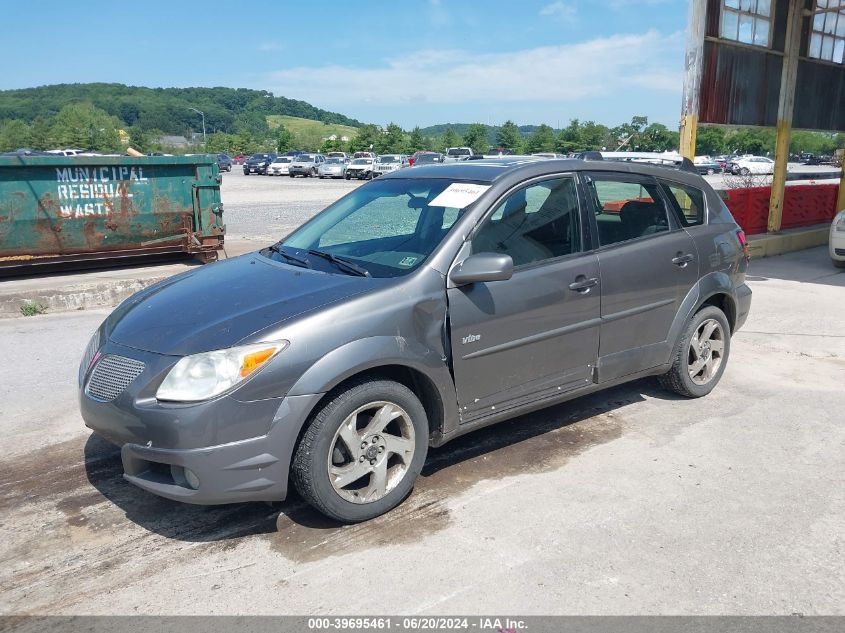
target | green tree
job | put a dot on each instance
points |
(284, 139)
(366, 140)
(657, 138)
(569, 138)
(85, 126)
(40, 133)
(14, 134)
(752, 140)
(710, 140)
(449, 139)
(392, 140)
(416, 140)
(541, 140)
(476, 138)
(509, 136)
(595, 136)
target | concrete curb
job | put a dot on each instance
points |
(767, 245)
(105, 293)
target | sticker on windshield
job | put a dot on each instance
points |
(459, 195)
(408, 261)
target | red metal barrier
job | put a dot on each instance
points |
(803, 205)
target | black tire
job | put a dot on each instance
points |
(309, 471)
(313, 172)
(744, 171)
(678, 379)
(710, 172)
(292, 175)
(347, 176)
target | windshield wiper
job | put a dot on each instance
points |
(299, 261)
(355, 269)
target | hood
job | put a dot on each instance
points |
(218, 305)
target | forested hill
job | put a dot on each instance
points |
(164, 109)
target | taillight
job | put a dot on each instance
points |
(743, 242)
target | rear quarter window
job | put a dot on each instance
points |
(687, 203)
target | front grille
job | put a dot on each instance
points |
(839, 251)
(111, 376)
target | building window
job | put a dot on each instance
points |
(827, 39)
(747, 21)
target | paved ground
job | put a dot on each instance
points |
(269, 207)
(625, 502)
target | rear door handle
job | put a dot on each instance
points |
(582, 284)
(682, 259)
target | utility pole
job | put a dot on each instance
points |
(202, 114)
(786, 105)
(692, 76)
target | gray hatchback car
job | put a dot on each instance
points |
(419, 307)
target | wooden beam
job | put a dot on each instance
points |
(786, 106)
(692, 77)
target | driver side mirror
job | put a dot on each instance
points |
(482, 267)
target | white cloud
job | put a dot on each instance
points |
(560, 9)
(612, 67)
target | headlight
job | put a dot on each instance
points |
(839, 222)
(203, 376)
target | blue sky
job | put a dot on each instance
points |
(414, 62)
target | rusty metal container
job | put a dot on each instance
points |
(104, 208)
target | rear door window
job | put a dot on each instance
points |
(627, 210)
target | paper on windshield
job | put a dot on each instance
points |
(459, 195)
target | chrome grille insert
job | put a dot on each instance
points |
(111, 376)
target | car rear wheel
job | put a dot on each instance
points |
(362, 451)
(744, 171)
(313, 172)
(701, 354)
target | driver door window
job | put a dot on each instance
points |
(536, 223)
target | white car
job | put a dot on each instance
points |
(389, 162)
(360, 168)
(454, 154)
(280, 166)
(837, 240)
(746, 165)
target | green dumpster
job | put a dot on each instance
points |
(81, 208)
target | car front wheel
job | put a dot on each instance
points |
(700, 357)
(362, 451)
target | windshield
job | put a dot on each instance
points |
(386, 227)
(458, 151)
(305, 158)
(427, 158)
(388, 159)
(334, 161)
(259, 157)
(335, 154)
(282, 159)
(361, 161)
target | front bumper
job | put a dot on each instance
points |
(837, 245)
(254, 469)
(239, 451)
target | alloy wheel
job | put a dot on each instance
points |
(371, 452)
(706, 351)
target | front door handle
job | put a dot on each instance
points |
(582, 284)
(682, 259)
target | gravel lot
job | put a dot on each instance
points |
(629, 501)
(266, 208)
